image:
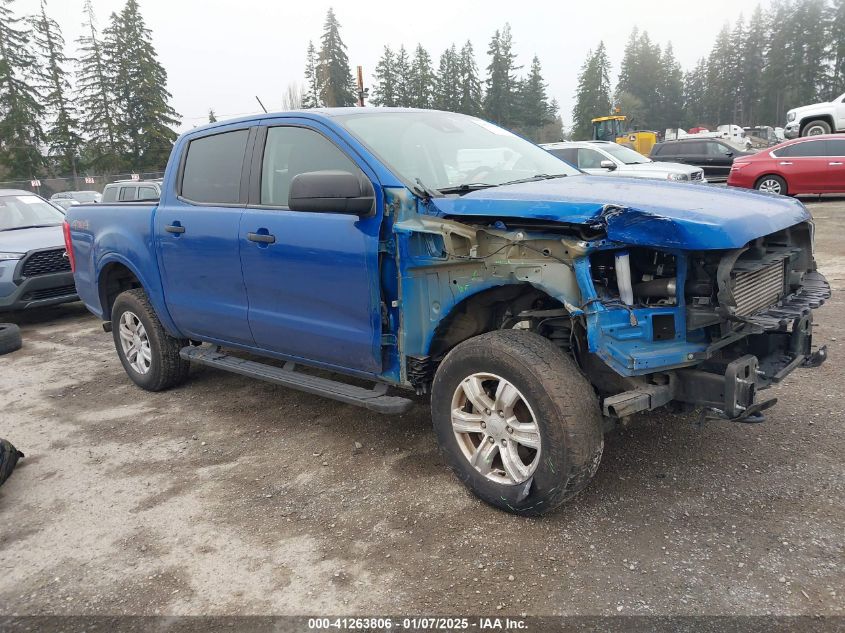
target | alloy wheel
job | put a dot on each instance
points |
(495, 428)
(135, 342)
(770, 185)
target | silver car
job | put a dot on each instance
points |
(606, 158)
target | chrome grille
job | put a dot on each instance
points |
(45, 262)
(696, 175)
(760, 288)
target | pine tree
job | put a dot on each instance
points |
(95, 98)
(142, 100)
(533, 107)
(311, 97)
(212, 118)
(337, 87)
(500, 98)
(753, 63)
(670, 94)
(447, 87)
(384, 88)
(721, 87)
(695, 91)
(592, 98)
(421, 79)
(403, 78)
(837, 36)
(470, 100)
(21, 134)
(62, 136)
(640, 79)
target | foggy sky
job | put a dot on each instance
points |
(221, 54)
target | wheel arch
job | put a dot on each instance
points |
(117, 274)
(827, 118)
(483, 312)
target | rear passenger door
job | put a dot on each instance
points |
(196, 230)
(805, 167)
(312, 278)
(836, 165)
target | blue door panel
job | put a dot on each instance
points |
(201, 270)
(313, 293)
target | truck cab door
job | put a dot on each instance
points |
(312, 278)
(196, 232)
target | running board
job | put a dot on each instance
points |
(375, 399)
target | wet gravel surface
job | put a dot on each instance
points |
(229, 496)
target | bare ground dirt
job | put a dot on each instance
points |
(229, 496)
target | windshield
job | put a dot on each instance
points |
(625, 154)
(444, 150)
(26, 211)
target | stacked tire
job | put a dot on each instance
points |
(10, 338)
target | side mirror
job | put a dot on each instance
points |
(607, 164)
(331, 191)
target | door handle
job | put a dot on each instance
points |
(175, 228)
(837, 163)
(264, 238)
(784, 162)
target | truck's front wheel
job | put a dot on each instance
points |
(148, 353)
(516, 421)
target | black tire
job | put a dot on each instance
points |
(166, 369)
(823, 127)
(10, 338)
(564, 405)
(767, 182)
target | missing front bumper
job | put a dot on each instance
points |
(732, 389)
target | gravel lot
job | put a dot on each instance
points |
(229, 496)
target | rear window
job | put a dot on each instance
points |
(147, 193)
(127, 193)
(806, 148)
(836, 147)
(213, 168)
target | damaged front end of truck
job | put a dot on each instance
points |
(698, 308)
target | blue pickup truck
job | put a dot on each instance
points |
(441, 254)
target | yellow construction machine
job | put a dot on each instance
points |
(615, 128)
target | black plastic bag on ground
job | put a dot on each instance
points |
(9, 456)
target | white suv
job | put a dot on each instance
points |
(604, 158)
(815, 119)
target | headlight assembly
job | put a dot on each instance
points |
(790, 116)
(677, 177)
(10, 256)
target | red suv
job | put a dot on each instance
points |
(812, 164)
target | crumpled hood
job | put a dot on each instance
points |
(24, 240)
(642, 212)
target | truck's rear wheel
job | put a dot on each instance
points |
(516, 421)
(149, 355)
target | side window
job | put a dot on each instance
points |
(664, 149)
(696, 148)
(804, 149)
(147, 193)
(213, 167)
(716, 149)
(567, 155)
(127, 193)
(295, 150)
(589, 159)
(836, 147)
(110, 194)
